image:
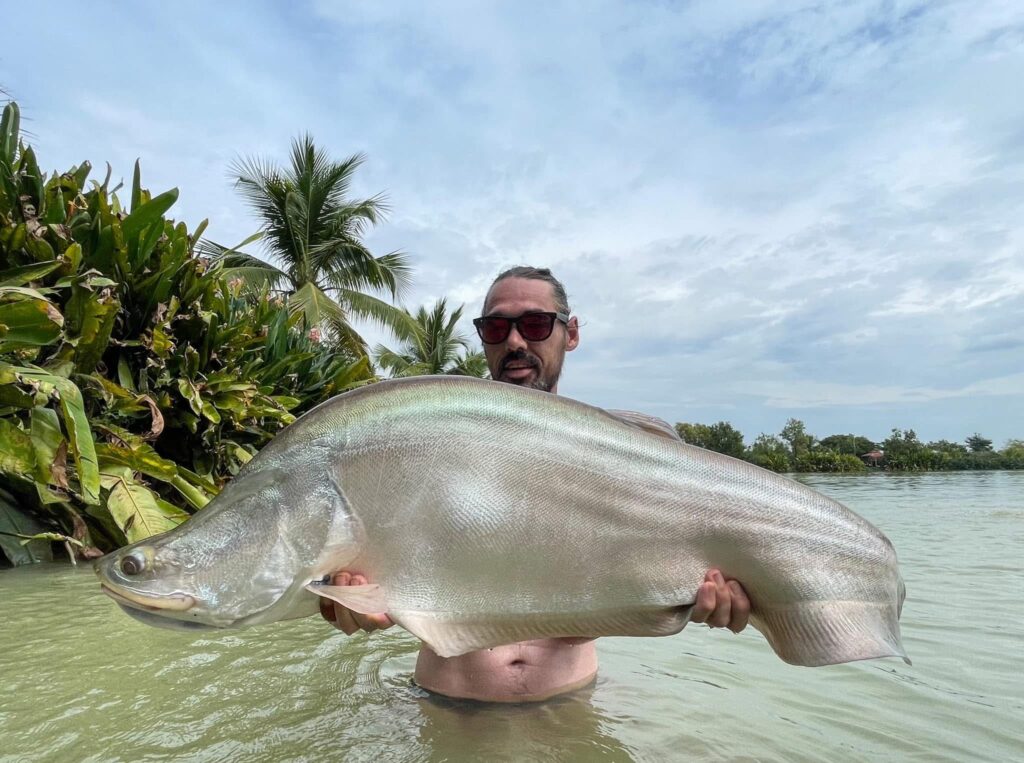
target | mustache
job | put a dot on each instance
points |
(519, 356)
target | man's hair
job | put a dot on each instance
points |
(536, 274)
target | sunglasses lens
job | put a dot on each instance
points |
(536, 327)
(494, 330)
(533, 327)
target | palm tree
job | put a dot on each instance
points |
(434, 347)
(313, 232)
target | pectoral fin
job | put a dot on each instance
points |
(366, 599)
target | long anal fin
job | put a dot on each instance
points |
(450, 636)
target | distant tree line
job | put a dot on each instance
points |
(794, 449)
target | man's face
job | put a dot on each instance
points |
(529, 364)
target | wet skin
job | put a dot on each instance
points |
(531, 670)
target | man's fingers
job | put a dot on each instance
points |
(344, 620)
(721, 603)
(380, 621)
(705, 603)
(721, 600)
(366, 622)
(740, 607)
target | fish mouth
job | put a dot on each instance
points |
(160, 621)
(178, 602)
(156, 612)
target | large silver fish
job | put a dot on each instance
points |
(486, 514)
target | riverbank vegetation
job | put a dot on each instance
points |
(795, 450)
(138, 373)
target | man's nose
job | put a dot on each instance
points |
(515, 340)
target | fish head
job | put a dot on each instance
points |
(148, 583)
(244, 558)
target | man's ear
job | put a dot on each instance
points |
(572, 334)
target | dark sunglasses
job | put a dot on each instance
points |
(534, 326)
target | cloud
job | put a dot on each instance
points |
(810, 394)
(759, 210)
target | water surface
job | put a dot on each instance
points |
(81, 681)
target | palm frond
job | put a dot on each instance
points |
(258, 278)
(313, 231)
(383, 313)
(472, 364)
(346, 336)
(232, 263)
(389, 360)
(358, 216)
(433, 347)
(261, 184)
(315, 306)
(352, 266)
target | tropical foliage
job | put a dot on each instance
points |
(135, 378)
(434, 346)
(313, 231)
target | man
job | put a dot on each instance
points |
(526, 330)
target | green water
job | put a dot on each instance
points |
(80, 681)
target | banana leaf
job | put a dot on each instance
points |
(27, 273)
(138, 511)
(15, 523)
(76, 422)
(17, 456)
(46, 442)
(27, 319)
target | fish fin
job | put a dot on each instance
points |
(647, 423)
(450, 636)
(366, 599)
(815, 633)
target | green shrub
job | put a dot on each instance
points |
(134, 379)
(827, 461)
(769, 452)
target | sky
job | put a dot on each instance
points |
(760, 210)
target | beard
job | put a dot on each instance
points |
(542, 381)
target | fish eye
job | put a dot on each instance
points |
(133, 564)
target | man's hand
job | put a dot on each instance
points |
(345, 619)
(721, 603)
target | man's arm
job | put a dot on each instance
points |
(720, 603)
